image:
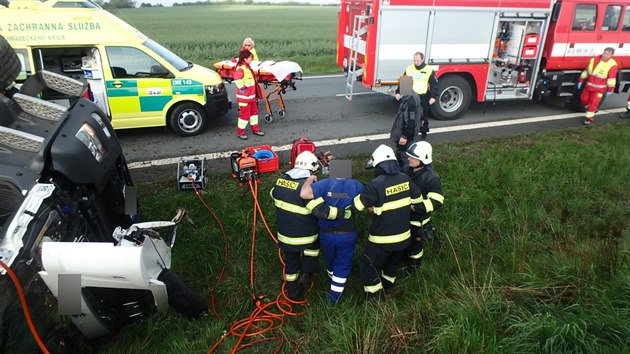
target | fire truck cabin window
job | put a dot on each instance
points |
(626, 20)
(584, 17)
(611, 18)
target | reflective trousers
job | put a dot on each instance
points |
(248, 113)
(338, 249)
(379, 268)
(590, 99)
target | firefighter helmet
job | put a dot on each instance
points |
(422, 151)
(382, 153)
(306, 160)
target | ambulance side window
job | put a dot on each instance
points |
(584, 17)
(129, 62)
(25, 69)
(626, 20)
(611, 18)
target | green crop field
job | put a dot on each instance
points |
(211, 33)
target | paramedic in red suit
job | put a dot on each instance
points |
(247, 94)
(600, 77)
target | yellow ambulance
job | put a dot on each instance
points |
(135, 80)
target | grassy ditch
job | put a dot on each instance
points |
(531, 256)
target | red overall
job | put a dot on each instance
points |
(600, 77)
(247, 94)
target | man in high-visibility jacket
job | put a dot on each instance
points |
(389, 196)
(247, 94)
(600, 77)
(298, 230)
(425, 84)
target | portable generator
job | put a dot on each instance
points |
(243, 166)
(191, 174)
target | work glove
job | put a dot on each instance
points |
(608, 94)
(579, 85)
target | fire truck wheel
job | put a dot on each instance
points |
(188, 119)
(453, 98)
(9, 62)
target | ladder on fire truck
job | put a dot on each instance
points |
(359, 29)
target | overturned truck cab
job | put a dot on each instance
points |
(69, 209)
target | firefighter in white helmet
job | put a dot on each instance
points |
(389, 196)
(297, 228)
(420, 158)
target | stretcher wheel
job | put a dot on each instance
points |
(282, 113)
(268, 118)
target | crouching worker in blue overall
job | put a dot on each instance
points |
(338, 238)
(297, 227)
(389, 196)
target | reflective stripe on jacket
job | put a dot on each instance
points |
(297, 227)
(420, 78)
(246, 85)
(600, 75)
(391, 197)
(432, 199)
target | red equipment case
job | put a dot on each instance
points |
(265, 164)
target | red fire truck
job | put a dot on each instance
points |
(487, 50)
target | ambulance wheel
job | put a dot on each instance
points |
(453, 98)
(268, 118)
(188, 119)
(282, 113)
(10, 64)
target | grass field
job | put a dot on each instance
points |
(531, 256)
(207, 34)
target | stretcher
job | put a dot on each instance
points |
(278, 75)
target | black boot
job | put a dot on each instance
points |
(377, 296)
(625, 114)
(295, 291)
(305, 280)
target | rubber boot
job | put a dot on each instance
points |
(305, 280)
(295, 291)
(377, 296)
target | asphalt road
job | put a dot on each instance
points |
(317, 109)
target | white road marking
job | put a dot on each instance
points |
(357, 139)
(358, 93)
(322, 76)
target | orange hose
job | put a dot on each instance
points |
(225, 252)
(264, 317)
(27, 313)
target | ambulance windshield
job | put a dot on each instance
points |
(179, 63)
